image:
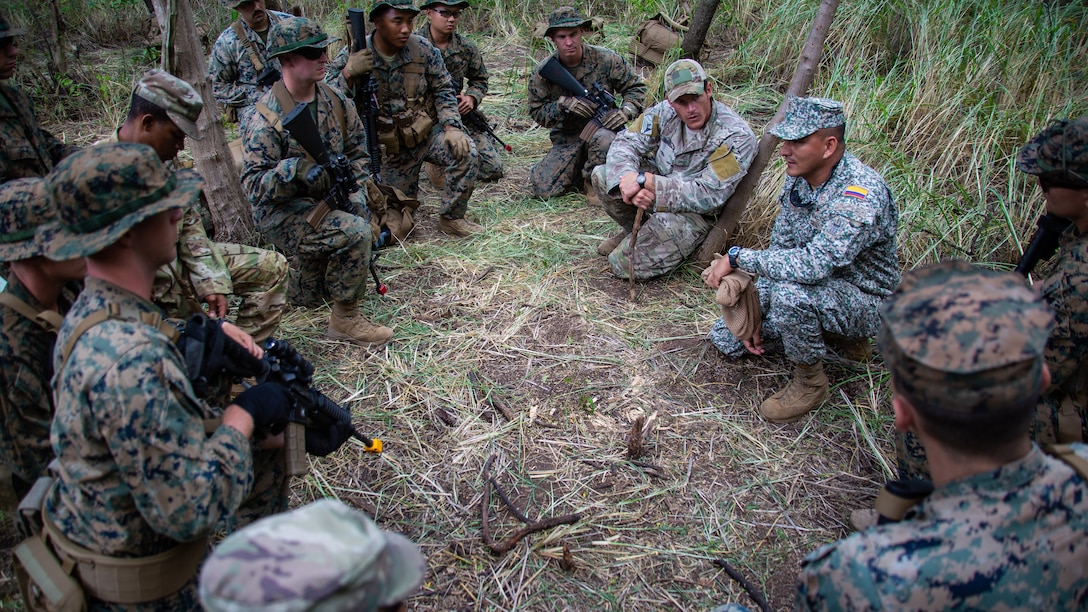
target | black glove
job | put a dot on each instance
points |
(314, 179)
(325, 434)
(269, 403)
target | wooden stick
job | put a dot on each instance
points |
(631, 253)
(506, 545)
(753, 592)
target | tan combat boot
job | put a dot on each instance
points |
(459, 227)
(347, 324)
(591, 193)
(436, 175)
(804, 393)
(610, 244)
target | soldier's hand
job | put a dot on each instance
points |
(359, 63)
(243, 339)
(576, 106)
(326, 435)
(465, 104)
(268, 403)
(217, 305)
(314, 179)
(614, 120)
(458, 143)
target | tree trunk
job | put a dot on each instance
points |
(802, 80)
(231, 211)
(61, 38)
(700, 25)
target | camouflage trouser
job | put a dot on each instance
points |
(797, 315)
(402, 171)
(258, 276)
(488, 150)
(333, 258)
(665, 239)
(568, 164)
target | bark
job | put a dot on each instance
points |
(700, 25)
(802, 80)
(231, 211)
(61, 39)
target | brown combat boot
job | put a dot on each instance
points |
(852, 349)
(347, 324)
(610, 244)
(591, 193)
(459, 227)
(436, 175)
(804, 393)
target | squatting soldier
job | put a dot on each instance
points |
(38, 294)
(28, 149)
(1004, 527)
(137, 476)
(164, 110)
(680, 161)
(240, 59)
(287, 187)
(831, 261)
(465, 63)
(418, 119)
(568, 164)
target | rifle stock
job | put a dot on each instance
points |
(1044, 243)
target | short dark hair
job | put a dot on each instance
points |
(839, 131)
(139, 107)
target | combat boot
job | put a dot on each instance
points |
(804, 393)
(436, 175)
(591, 193)
(347, 324)
(853, 349)
(610, 244)
(459, 227)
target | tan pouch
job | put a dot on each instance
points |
(387, 136)
(418, 131)
(44, 583)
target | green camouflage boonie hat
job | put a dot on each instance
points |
(324, 556)
(684, 77)
(294, 33)
(1060, 150)
(806, 115)
(179, 99)
(400, 5)
(566, 17)
(23, 209)
(965, 340)
(102, 191)
(6, 31)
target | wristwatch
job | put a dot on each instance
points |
(641, 179)
(733, 253)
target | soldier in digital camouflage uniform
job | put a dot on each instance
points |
(286, 187)
(831, 261)
(39, 292)
(240, 57)
(1004, 528)
(163, 111)
(468, 73)
(137, 475)
(679, 161)
(569, 162)
(27, 150)
(1058, 156)
(417, 117)
(323, 556)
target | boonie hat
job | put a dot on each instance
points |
(806, 115)
(294, 33)
(323, 556)
(1061, 148)
(179, 99)
(6, 31)
(400, 5)
(102, 191)
(566, 17)
(684, 77)
(23, 209)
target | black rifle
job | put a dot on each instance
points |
(268, 77)
(604, 102)
(476, 120)
(366, 94)
(1044, 243)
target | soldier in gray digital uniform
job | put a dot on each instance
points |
(831, 261)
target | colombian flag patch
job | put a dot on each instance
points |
(855, 191)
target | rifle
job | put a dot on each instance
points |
(476, 120)
(1044, 243)
(366, 95)
(268, 77)
(555, 73)
(211, 357)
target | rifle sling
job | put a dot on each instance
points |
(254, 57)
(47, 319)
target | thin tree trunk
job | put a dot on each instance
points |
(61, 38)
(231, 211)
(692, 44)
(802, 80)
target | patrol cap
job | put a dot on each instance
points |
(6, 31)
(23, 208)
(323, 556)
(462, 4)
(566, 17)
(1061, 149)
(683, 77)
(400, 5)
(294, 33)
(964, 339)
(102, 191)
(179, 99)
(806, 115)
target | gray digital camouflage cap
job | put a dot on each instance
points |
(323, 556)
(965, 339)
(23, 209)
(1061, 148)
(6, 30)
(400, 5)
(179, 99)
(806, 115)
(232, 4)
(566, 17)
(683, 77)
(102, 191)
(294, 33)
(461, 4)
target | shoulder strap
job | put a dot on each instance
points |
(337, 106)
(414, 70)
(287, 103)
(1065, 453)
(113, 311)
(46, 319)
(254, 57)
(273, 119)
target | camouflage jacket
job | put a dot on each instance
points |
(25, 148)
(233, 75)
(1010, 539)
(271, 155)
(434, 94)
(695, 171)
(844, 229)
(464, 62)
(599, 65)
(137, 473)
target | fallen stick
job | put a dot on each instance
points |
(631, 254)
(752, 591)
(506, 545)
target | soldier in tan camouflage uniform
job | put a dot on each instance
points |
(39, 292)
(679, 161)
(287, 187)
(568, 164)
(418, 118)
(27, 149)
(163, 111)
(240, 58)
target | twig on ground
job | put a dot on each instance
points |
(752, 591)
(492, 397)
(504, 546)
(631, 255)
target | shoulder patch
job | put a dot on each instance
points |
(724, 163)
(856, 191)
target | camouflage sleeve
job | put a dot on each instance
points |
(475, 73)
(267, 173)
(355, 142)
(543, 101)
(58, 149)
(631, 147)
(705, 190)
(199, 257)
(334, 72)
(223, 71)
(438, 79)
(1066, 292)
(625, 81)
(834, 579)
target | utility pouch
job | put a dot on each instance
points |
(317, 214)
(28, 521)
(418, 131)
(588, 131)
(45, 585)
(294, 446)
(387, 136)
